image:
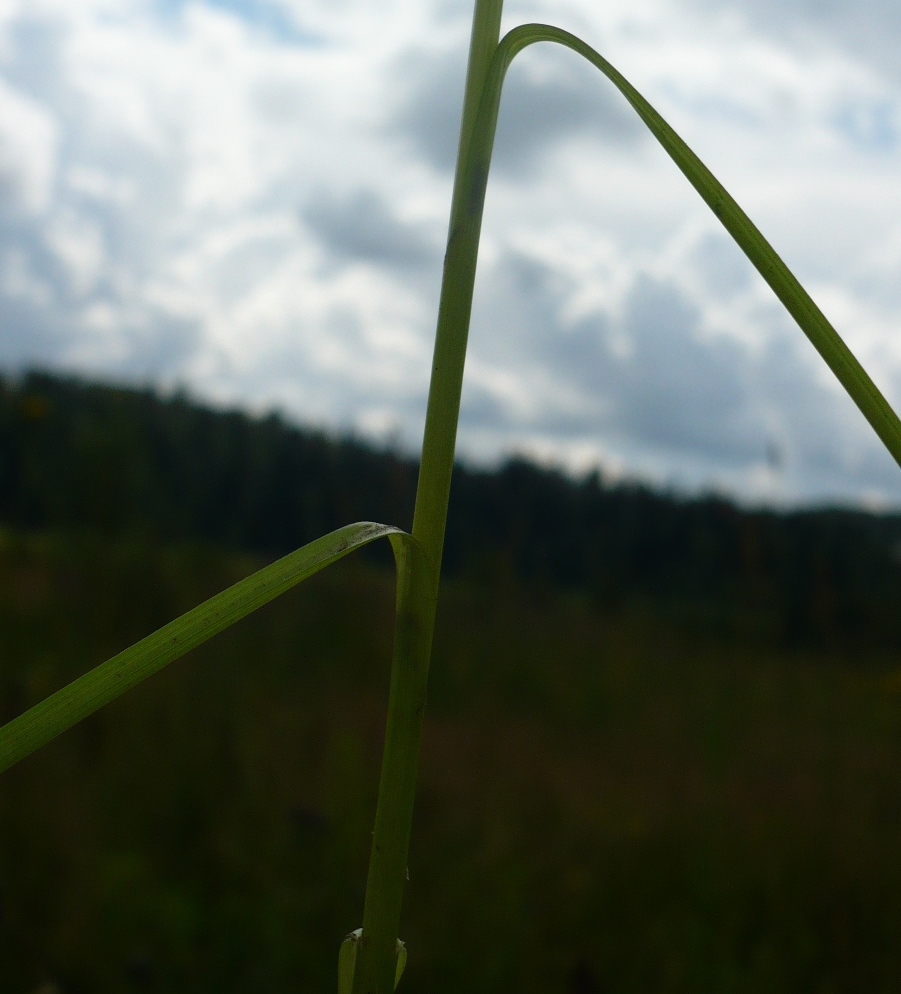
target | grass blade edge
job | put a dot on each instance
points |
(90, 692)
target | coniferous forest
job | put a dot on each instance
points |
(662, 752)
(116, 462)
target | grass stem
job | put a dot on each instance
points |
(418, 592)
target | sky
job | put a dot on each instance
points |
(248, 200)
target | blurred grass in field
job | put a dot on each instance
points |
(652, 809)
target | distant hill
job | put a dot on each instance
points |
(77, 455)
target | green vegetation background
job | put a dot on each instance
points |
(699, 790)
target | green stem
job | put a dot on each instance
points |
(455, 306)
(418, 593)
(375, 966)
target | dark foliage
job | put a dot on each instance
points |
(75, 455)
(127, 462)
(607, 804)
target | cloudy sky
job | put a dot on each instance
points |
(249, 198)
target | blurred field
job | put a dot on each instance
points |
(634, 807)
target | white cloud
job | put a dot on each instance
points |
(28, 150)
(251, 197)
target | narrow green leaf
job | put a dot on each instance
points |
(797, 301)
(401, 962)
(347, 961)
(106, 682)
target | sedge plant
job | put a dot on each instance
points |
(371, 959)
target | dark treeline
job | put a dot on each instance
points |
(123, 462)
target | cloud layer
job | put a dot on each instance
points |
(250, 198)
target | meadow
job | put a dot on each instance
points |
(643, 805)
(687, 939)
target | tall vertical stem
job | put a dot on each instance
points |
(419, 563)
(374, 973)
(454, 311)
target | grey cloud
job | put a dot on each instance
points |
(32, 58)
(722, 266)
(278, 101)
(694, 404)
(822, 428)
(340, 401)
(270, 16)
(535, 115)
(159, 351)
(481, 410)
(44, 304)
(872, 126)
(866, 29)
(363, 227)
(25, 337)
(41, 314)
(667, 390)
(43, 334)
(430, 114)
(675, 391)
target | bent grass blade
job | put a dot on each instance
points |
(762, 255)
(106, 682)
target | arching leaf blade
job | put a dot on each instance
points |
(843, 363)
(106, 682)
